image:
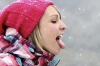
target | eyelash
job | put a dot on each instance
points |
(54, 22)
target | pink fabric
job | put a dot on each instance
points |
(23, 15)
(7, 60)
(14, 49)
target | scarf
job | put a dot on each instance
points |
(17, 51)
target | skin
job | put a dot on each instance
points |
(50, 27)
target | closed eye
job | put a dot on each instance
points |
(54, 22)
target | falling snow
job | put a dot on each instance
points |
(82, 37)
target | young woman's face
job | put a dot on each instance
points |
(51, 30)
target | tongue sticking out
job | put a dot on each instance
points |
(60, 42)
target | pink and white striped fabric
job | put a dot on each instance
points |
(17, 51)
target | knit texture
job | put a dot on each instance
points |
(23, 15)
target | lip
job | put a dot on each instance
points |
(60, 42)
(60, 35)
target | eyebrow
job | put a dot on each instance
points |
(56, 15)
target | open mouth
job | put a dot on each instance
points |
(59, 37)
(59, 41)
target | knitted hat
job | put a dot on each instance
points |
(23, 15)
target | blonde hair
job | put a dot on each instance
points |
(36, 39)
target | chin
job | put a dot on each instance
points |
(56, 52)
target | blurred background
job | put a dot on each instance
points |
(82, 37)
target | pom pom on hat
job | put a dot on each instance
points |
(23, 15)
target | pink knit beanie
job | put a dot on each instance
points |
(23, 15)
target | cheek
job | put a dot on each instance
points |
(49, 29)
(51, 32)
(48, 34)
(49, 39)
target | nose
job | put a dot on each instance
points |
(63, 26)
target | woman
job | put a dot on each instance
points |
(30, 34)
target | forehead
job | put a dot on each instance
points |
(52, 11)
